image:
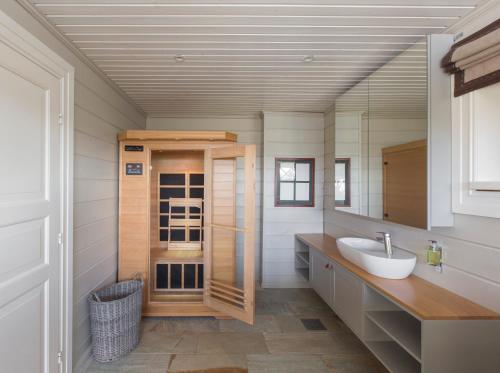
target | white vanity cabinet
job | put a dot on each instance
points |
(410, 325)
(348, 290)
(341, 290)
(322, 277)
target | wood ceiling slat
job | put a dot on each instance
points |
(269, 3)
(253, 22)
(354, 29)
(241, 57)
(179, 46)
(181, 10)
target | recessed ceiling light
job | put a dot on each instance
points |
(179, 58)
(309, 59)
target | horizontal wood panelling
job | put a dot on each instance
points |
(92, 190)
(87, 144)
(86, 258)
(89, 123)
(289, 135)
(88, 167)
(88, 234)
(104, 106)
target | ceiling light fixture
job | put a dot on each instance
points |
(179, 58)
(309, 59)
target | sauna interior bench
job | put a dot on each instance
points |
(410, 325)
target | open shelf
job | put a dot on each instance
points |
(401, 327)
(303, 255)
(304, 272)
(395, 359)
(302, 259)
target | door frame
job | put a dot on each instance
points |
(18, 38)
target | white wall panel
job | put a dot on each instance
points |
(289, 135)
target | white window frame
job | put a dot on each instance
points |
(469, 195)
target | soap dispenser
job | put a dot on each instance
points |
(434, 255)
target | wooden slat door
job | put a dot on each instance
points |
(405, 184)
(230, 231)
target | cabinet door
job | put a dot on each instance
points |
(230, 231)
(348, 298)
(321, 274)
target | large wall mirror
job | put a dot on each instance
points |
(381, 142)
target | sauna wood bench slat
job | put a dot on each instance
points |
(424, 299)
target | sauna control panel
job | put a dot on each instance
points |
(134, 168)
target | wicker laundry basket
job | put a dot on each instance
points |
(115, 318)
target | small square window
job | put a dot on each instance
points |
(294, 182)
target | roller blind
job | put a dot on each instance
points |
(475, 60)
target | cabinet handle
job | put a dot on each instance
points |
(327, 265)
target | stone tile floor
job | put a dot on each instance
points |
(277, 343)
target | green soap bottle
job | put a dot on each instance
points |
(434, 254)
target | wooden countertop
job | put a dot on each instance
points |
(424, 299)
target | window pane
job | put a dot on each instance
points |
(286, 191)
(302, 171)
(340, 181)
(172, 179)
(287, 171)
(302, 190)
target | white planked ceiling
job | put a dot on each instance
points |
(243, 57)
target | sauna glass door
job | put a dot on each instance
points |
(230, 231)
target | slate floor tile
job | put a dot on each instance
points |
(286, 364)
(188, 362)
(232, 343)
(165, 342)
(134, 363)
(263, 323)
(365, 363)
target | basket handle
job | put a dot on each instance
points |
(96, 297)
(139, 276)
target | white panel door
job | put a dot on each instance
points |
(30, 214)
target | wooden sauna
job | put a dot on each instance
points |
(187, 222)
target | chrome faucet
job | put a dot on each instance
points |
(386, 239)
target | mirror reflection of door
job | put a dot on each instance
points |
(405, 183)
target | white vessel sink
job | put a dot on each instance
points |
(371, 256)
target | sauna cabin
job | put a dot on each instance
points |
(186, 222)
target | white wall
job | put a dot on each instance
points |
(249, 131)
(100, 113)
(289, 135)
(472, 246)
